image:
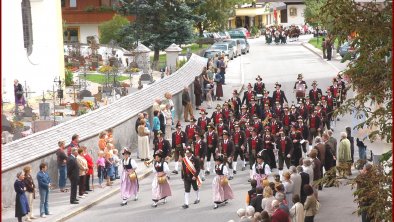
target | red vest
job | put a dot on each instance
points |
(220, 130)
(277, 96)
(252, 109)
(283, 145)
(236, 137)
(203, 123)
(210, 138)
(217, 117)
(254, 143)
(178, 139)
(224, 146)
(190, 133)
(273, 128)
(313, 122)
(197, 149)
(160, 145)
(249, 94)
(286, 120)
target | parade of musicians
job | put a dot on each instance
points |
(260, 115)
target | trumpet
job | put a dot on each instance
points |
(266, 120)
(148, 163)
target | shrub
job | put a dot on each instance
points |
(68, 77)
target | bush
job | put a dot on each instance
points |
(254, 31)
(68, 77)
(180, 63)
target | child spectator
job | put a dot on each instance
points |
(116, 163)
(100, 167)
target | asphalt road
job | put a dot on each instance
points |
(274, 63)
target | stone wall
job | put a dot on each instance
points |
(120, 115)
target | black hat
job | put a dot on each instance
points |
(158, 153)
(235, 92)
(314, 82)
(211, 126)
(178, 125)
(160, 133)
(126, 150)
(203, 111)
(300, 76)
(266, 91)
(260, 155)
(259, 78)
(188, 150)
(334, 80)
(277, 84)
(225, 133)
(219, 158)
(193, 119)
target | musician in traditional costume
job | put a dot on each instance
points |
(315, 93)
(266, 100)
(285, 151)
(342, 85)
(236, 103)
(203, 120)
(227, 149)
(255, 146)
(309, 105)
(226, 112)
(212, 145)
(222, 191)
(191, 130)
(216, 115)
(190, 172)
(233, 121)
(283, 37)
(254, 108)
(294, 113)
(239, 140)
(267, 113)
(260, 169)
(162, 144)
(160, 186)
(330, 99)
(328, 111)
(258, 124)
(179, 142)
(296, 138)
(274, 127)
(300, 88)
(268, 145)
(129, 185)
(277, 36)
(302, 111)
(322, 115)
(244, 117)
(200, 150)
(336, 92)
(278, 111)
(287, 120)
(268, 37)
(259, 86)
(279, 95)
(220, 128)
(248, 95)
(304, 130)
(314, 126)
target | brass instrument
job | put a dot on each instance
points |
(162, 179)
(319, 96)
(132, 176)
(148, 163)
(266, 120)
(340, 93)
(223, 181)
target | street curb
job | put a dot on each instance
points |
(144, 175)
(317, 51)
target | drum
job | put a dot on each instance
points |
(162, 179)
(132, 176)
(300, 90)
(300, 94)
(223, 181)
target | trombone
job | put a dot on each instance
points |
(148, 163)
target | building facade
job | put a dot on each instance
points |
(32, 48)
(83, 17)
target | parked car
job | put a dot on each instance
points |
(244, 45)
(225, 47)
(245, 31)
(210, 53)
(235, 34)
(346, 48)
(236, 46)
(224, 35)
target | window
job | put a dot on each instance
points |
(63, 3)
(27, 26)
(293, 12)
(73, 3)
(71, 35)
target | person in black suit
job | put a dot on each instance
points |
(304, 181)
(279, 95)
(190, 178)
(285, 151)
(73, 174)
(256, 202)
(162, 144)
(315, 93)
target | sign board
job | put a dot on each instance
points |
(44, 109)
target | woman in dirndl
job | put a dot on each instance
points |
(260, 170)
(222, 191)
(21, 203)
(129, 181)
(160, 186)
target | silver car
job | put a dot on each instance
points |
(244, 45)
(236, 46)
(225, 47)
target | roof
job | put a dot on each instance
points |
(44, 143)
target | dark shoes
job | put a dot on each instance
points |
(184, 206)
(196, 201)
(175, 172)
(122, 204)
(74, 202)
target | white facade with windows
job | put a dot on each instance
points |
(295, 14)
(44, 60)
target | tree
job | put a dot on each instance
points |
(312, 11)
(110, 29)
(370, 73)
(158, 24)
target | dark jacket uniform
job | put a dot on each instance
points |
(163, 145)
(183, 139)
(280, 97)
(254, 110)
(259, 88)
(227, 148)
(200, 148)
(314, 95)
(248, 96)
(203, 123)
(216, 116)
(190, 132)
(236, 105)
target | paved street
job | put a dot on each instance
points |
(274, 63)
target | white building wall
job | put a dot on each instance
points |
(296, 20)
(87, 30)
(46, 61)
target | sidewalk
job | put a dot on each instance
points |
(59, 203)
(319, 52)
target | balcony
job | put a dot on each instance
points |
(84, 17)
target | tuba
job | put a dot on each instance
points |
(340, 94)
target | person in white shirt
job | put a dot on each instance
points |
(260, 170)
(160, 186)
(129, 182)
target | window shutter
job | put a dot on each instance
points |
(27, 26)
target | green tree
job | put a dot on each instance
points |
(312, 11)
(110, 29)
(158, 24)
(370, 74)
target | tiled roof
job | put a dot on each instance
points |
(43, 143)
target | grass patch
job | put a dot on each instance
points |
(101, 78)
(317, 42)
